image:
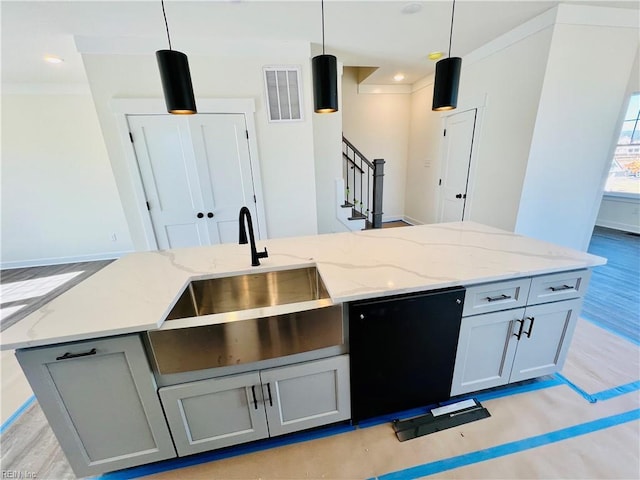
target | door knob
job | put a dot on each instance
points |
(459, 195)
(210, 214)
(200, 215)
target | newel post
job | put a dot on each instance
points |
(378, 174)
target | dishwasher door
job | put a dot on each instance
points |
(402, 351)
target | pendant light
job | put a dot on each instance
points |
(325, 79)
(445, 88)
(176, 78)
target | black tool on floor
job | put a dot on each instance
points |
(440, 418)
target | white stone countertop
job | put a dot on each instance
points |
(136, 292)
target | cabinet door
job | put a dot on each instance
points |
(486, 348)
(215, 413)
(100, 400)
(545, 340)
(306, 395)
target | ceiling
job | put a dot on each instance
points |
(360, 33)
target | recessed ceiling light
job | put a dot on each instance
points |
(435, 55)
(53, 59)
(412, 7)
(398, 77)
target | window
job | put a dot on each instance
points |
(624, 175)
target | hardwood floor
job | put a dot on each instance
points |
(613, 298)
(20, 297)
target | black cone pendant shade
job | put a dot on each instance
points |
(176, 78)
(176, 82)
(445, 89)
(325, 83)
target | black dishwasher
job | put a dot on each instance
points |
(402, 350)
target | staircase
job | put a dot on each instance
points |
(359, 192)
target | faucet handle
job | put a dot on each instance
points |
(264, 254)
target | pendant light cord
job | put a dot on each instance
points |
(167, 25)
(322, 6)
(453, 9)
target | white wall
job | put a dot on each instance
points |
(423, 163)
(584, 90)
(378, 125)
(327, 147)
(285, 149)
(503, 79)
(619, 213)
(59, 198)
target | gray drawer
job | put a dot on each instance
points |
(559, 286)
(492, 297)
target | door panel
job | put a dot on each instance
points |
(168, 169)
(306, 395)
(485, 351)
(458, 146)
(544, 351)
(190, 166)
(214, 413)
(220, 141)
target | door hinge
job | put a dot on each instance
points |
(440, 182)
(445, 132)
(131, 137)
(247, 134)
(148, 206)
(254, 199)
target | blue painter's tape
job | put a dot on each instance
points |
(183, 462)
(603, 395)
(587, 396)
(512, 447)
(9, 421)
(610, 330)
(617, 391)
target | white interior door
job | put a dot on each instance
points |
(458, 146)
(196, 174)
(220, 142)
(168, 170)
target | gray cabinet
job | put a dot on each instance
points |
(513, 344)
(215, 413)
(224, 411)
(100, 400)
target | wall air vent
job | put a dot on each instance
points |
(283, 93)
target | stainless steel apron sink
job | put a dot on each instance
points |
(244, 324)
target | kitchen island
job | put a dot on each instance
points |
(89, 360)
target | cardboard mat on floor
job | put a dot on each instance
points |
(599, 360)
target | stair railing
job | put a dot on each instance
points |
(363, 185)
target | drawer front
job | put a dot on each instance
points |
(492, 297)
(559, 286)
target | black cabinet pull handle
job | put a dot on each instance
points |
(559, 289)
(255, 401)
(210, 215)
(519, 334)
(530, 326)
(68, 355)
(499, 297)
(200, 215)
(269, 391)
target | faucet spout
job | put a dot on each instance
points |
(244, 219)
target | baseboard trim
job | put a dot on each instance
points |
(412, 221)
(625, 227)
(40, 262)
